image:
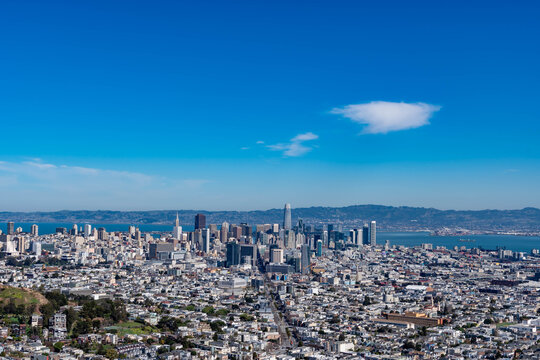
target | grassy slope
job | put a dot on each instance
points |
(21, 296)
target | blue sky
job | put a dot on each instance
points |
(251, 104)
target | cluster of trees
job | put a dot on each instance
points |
(52, 261)
(167, 323)
(48, 260)
(217, 326)
(89, 318)
(11, 308)
(56, 301)
(409, 345)
(247, 317)
(12, 261)
(106, 308)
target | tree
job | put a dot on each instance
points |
(111, 354)
(216, 326)
(96, 324)
(57, 299)
(71, 317)
(222, 312)
(246, 317)
(89, 310)
(367, 301)
(408, 345)
(82, 326)
(47, 310)
(10, 307)
(58, 346)
(209, 310)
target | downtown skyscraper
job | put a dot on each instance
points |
(287, 221)
(177, 229)
(200, 221)
(373, 233)
(10, 228)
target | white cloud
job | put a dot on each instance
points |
(260, 142)
(296, 146)
(382, 117)
(305, 137)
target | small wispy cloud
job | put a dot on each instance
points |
(39, 165)
(296, 146)
(260, 142)
(195, 183)
(244, 148)
(74, 186)
(382, 117)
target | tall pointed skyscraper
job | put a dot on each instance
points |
(177, 230)
(287, 217)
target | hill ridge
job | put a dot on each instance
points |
(387, 217)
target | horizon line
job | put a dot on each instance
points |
(270, 209)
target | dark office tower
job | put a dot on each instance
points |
(10, 228)
(233, 254)
(61, 230)
(237, 232)
(330, 227)
(319, 248)
(352, 236)
(200, 221)
(102, 234)
(248, 251)
(246, 229)
(304, 259)
(287, 221)
(365, 234)
(301, 227)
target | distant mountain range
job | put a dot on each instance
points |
(387, 217)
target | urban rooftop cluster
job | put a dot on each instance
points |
(263, 291)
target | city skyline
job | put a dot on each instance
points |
(269, 180)
(247, 106)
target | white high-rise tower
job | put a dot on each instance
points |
(87, 230)
(373, 233)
